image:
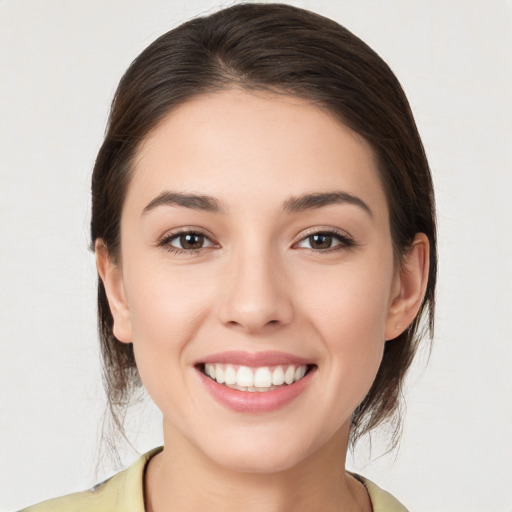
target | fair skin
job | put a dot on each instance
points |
(262, 268)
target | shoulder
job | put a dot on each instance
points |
(382, 501)
(92, 500)
(123, 492)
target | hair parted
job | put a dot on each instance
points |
(286, 50)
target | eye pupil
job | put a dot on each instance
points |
(320, 241)
(191, 241)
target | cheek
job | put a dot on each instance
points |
(164, 305)
(350, 316)
(354, 337)
(350, 303)
(165, 312)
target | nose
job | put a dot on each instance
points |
(257, 295)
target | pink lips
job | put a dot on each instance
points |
(255, 402)
(269, 358)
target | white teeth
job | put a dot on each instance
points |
(209, 369)
(260, 379)
(230, 375)
(244, 377)
(263, 378)
(289, 375)
(299, 372)
(278, 376)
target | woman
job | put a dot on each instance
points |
(263, 222)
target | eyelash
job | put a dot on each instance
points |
(344, 241)
(167, 239)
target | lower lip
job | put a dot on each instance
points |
(247, 401)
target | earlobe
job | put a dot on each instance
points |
(112, 278)
(407, 296)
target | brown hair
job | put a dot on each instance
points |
(280, 48)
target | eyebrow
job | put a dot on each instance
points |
(318, 200)
(292, 205)
(194, 201)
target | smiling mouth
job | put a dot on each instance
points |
(259, 379)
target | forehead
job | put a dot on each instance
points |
(236, 144)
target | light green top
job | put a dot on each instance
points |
(124, 493)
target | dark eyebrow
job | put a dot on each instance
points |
(194, 201)
(319, 199)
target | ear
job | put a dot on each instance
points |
(409, 287)
(112, 278)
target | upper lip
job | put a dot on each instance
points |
(254, 359)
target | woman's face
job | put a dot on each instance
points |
(255, 247)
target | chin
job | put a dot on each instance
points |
(263, 462)
(260, 454)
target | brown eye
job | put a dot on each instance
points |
(187, 241)
(320, 241)
(191, 241)
(323, 241)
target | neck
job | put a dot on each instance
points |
(183, 479)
